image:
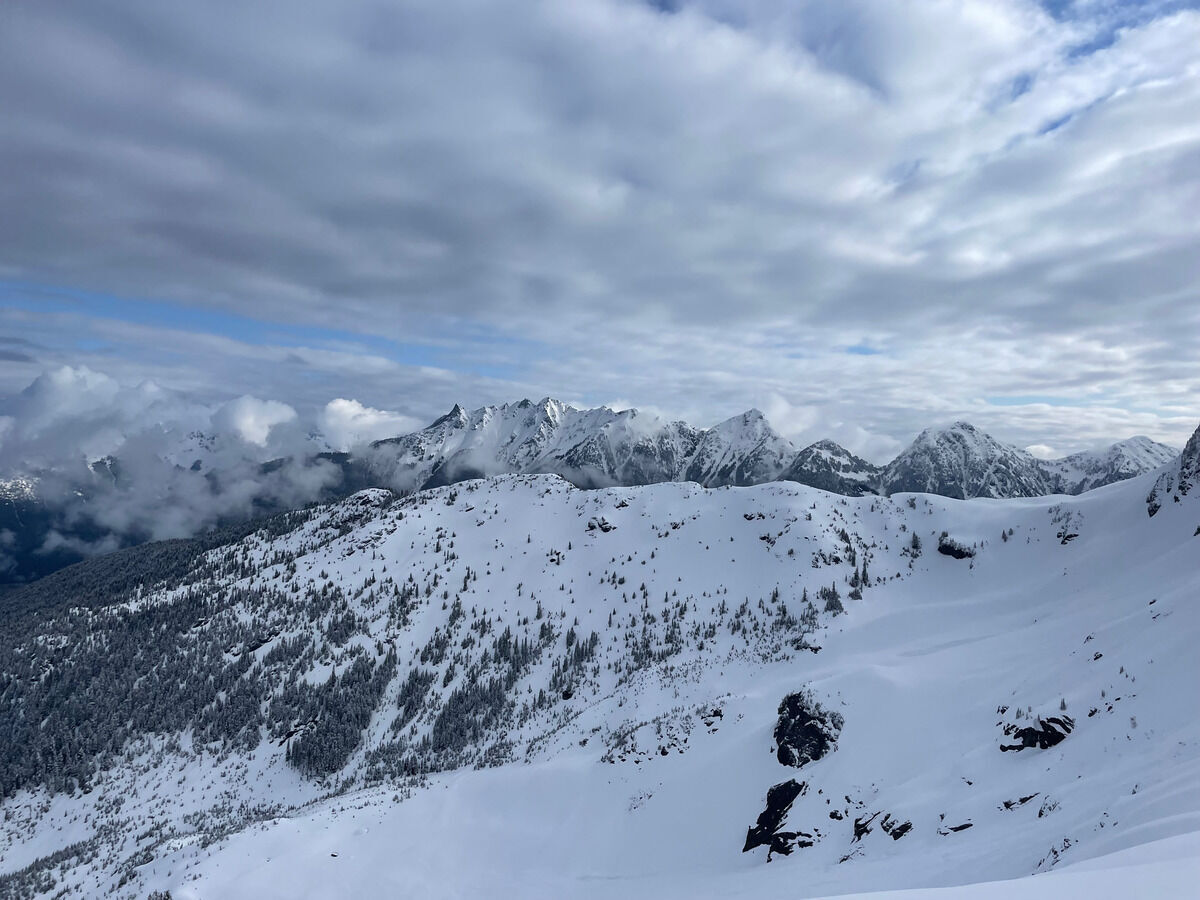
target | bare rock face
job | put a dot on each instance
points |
(805, 731)
(1177, 480)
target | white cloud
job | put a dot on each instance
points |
(252, 419)
(347, 423)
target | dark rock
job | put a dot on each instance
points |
(1178, 479)
(1047, 733)
(765, 832)
(947, 546)
(862, 827)
(801, 643)
(805, 731)
(955, 828)
(1013, 804)
(895, 828)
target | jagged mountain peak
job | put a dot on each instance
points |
(961, 460)
(600, 447)
(750, 418)
(589, 447)
(457, 417)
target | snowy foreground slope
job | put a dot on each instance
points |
(516, 688)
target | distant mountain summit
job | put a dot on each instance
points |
(831, 467)
(743, 450)
(962, 461)
(1081, 472)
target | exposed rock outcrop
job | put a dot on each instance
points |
(805, 731)
(1178, 479)
(765, 832)
(948, 546)
(1045, 734)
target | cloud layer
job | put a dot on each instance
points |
(113, 463)
(863, 217)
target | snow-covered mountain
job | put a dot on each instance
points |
(602, 448)
(590, 448)
(513, 687)
(962, 461)
(833, 468)
(1081, 472)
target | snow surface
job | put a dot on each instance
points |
(631, 788)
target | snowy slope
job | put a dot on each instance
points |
(631, 762)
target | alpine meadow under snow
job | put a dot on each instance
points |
(515, 687)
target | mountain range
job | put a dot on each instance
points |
(197, 482)
(602, 448)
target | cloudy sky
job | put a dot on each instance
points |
(862, 217)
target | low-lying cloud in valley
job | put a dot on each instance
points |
(108, 464)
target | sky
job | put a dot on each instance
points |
(864, 217)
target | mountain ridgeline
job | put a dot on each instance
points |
(52, 519)
(603, 448)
